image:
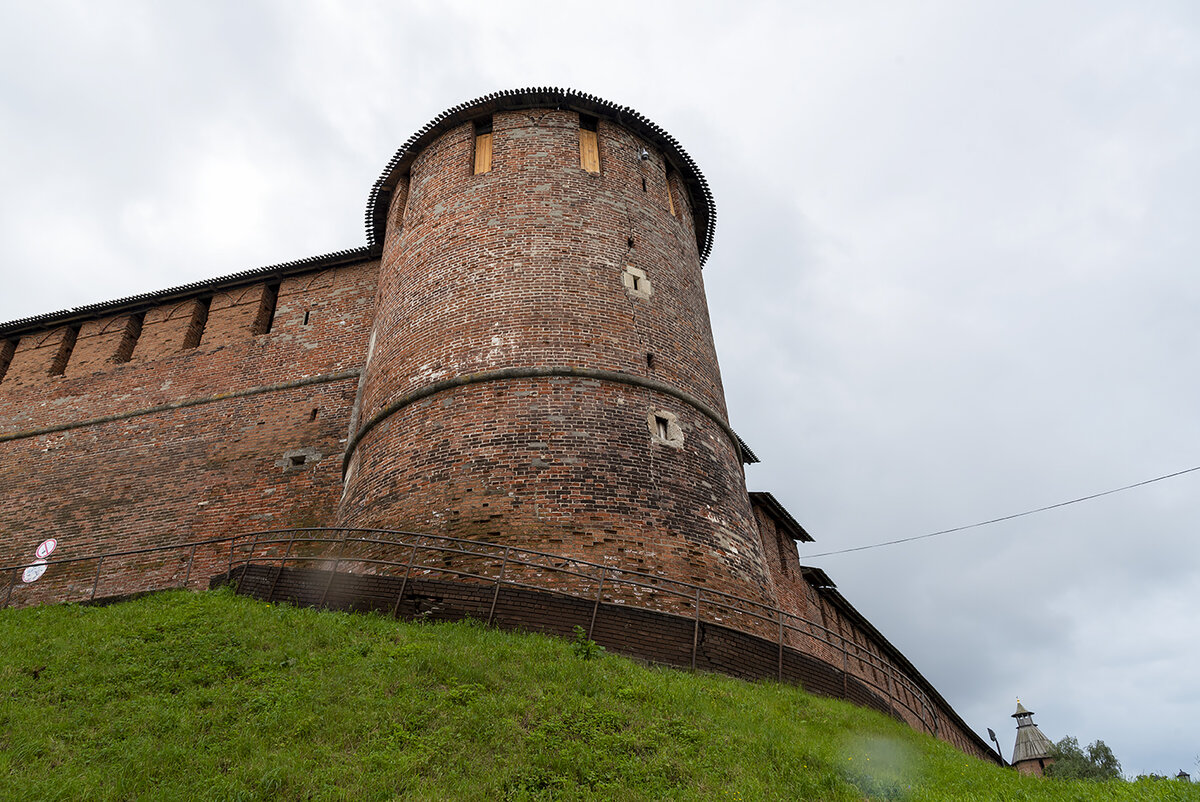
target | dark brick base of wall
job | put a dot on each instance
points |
(658, 637)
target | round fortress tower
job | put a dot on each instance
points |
(541, 369)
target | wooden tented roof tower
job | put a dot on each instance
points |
(1031, 753)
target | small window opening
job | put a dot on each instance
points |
(265, 318)
(297, 460)
(313, 415)
(195, 331)
(636, 282)
(630, 242)
(663, 427)
(307, 312)
(650, 360)
(7, 349)
(589, 143)
(59, 366)
(670, 193)
(643, 184)
(129, 338)
(483, 145)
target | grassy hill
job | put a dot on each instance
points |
(193, 696)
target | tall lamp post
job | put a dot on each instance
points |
(992, 735)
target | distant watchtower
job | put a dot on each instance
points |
(1031, 753)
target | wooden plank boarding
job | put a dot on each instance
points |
(589, 151)
(483, 153)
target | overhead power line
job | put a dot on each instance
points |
(1006, 517)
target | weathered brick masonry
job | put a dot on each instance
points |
(521, 354)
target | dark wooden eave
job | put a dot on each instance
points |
(197, 289)
(782, 517)
(748, 456)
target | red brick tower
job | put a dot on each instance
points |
(541, 369)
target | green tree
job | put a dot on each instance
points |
(1073, 762)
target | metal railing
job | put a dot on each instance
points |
(409, 555)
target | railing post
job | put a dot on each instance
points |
(12, 582)
(924, 712)
(499, 579)
(845, 667)
(96, 581)
(246, 565)
(891, 694)
(596, 606)
(229, 570)
(696, 631)
(336, 563)
(191, 558)
(412, 557)
(779, 675)
(931, 713)
(287, 553)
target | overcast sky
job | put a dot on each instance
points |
(954, 278)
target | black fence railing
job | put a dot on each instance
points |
(409, 556)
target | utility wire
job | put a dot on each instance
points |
(1006, 517)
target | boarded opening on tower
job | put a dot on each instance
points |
(483, 145)
(670, 193)
(589, 143)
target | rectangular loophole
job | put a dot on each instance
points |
(663, 427)
(129, 338)
(297, 461)
(483, 146)
(7, 349)
(195, 331)
(265, 318)
(589, 143)
(59, 365)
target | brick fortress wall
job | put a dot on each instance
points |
(180, 442)
(522, 355)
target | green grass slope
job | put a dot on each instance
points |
(212, 696)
